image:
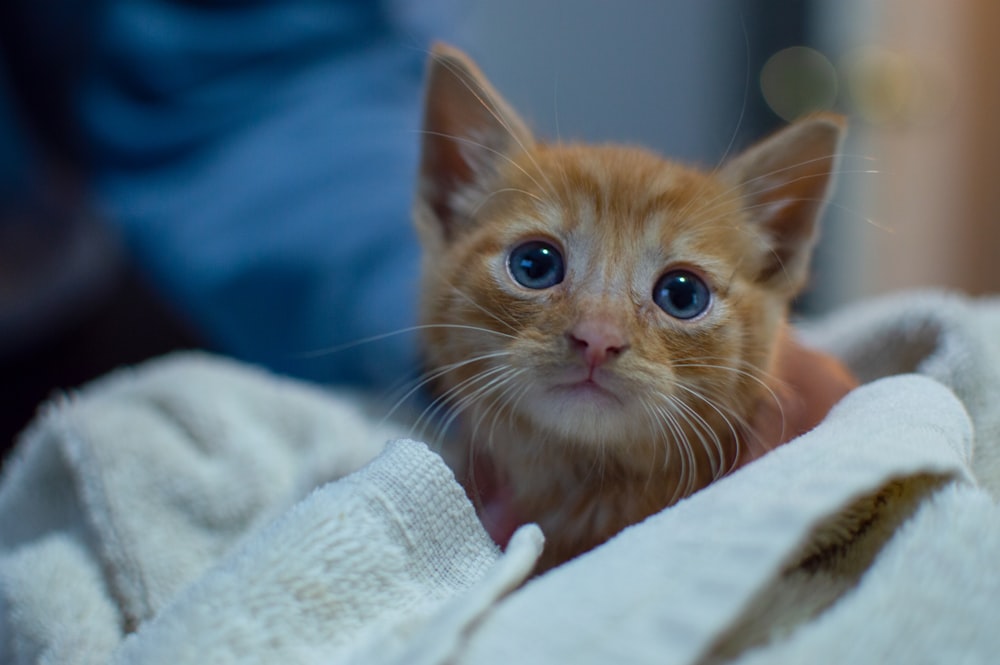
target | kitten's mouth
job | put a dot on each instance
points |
(585, 408)
(587, 389)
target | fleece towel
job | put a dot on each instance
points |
(195, 510)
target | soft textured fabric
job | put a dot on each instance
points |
(195, 510)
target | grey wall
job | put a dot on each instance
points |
(668, 74)
(676, 76)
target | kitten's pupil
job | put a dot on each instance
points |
(681, 294)
(536, 265)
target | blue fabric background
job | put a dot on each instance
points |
(258, 158)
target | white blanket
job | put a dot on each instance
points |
(197, 511)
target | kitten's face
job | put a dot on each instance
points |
(612, 286)
(603, 296)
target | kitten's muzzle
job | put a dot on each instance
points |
(598, 341)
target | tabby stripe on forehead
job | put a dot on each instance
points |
(674, 199)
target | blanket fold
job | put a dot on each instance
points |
(357, 566)
(150, 475)
(697, 569)
(945, 336)
(197, 510)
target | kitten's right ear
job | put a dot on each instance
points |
(785, 182)
(468, 130)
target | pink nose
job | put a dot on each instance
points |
(598, 340)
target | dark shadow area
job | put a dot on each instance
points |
(72, 304)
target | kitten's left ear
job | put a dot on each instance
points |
(785, 181)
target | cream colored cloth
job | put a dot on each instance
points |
(194, 510)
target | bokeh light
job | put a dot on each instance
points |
(798, 80)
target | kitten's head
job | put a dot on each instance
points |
(601, 294)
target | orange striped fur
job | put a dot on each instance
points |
(596, 407)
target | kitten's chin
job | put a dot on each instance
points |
(584, 411)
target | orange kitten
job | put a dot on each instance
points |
(605, 321)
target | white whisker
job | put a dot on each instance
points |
(402, 331)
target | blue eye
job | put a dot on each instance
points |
(536, 265)
(682, 294)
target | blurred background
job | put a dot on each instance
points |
(235, 176)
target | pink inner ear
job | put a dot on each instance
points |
(444, 170)
(775, 210)
(786, 180)
(790, 224)
(791, 220)
(468, 128)
(449, 124)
